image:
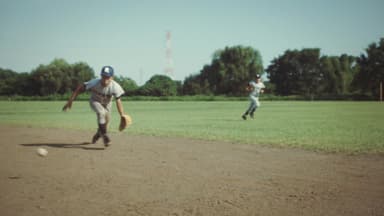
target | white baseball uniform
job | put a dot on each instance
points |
(254, 96)
(101, 97)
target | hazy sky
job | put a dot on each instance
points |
(130, 35)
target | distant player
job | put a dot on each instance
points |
(102, 92)
(255, 89)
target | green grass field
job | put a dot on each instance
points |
(353, 127)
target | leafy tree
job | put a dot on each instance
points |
(179, 87)
(13, 83)
(194, 86)
(349, 70)
(159, 85)
(228, 72)
(281, 74)
(309, 72)
(60, 77)
(127, 84)
(371, 71)
(6, 73)
(296, 72)
(24, 85)
(80, 73)
(329, 68)
(7, 81)
(49, 79)
(338, 73)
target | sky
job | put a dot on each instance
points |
(130, 35)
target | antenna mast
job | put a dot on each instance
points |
(168, 56)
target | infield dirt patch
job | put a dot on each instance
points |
(140, 175)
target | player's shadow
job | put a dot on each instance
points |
(84, 145)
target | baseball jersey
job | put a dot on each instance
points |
(256, 88)
(103, 94)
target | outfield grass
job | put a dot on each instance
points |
(328, 126)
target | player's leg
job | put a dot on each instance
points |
(97, 108)
(250, 108)
(244, 116)
(101, 114)
(257, 105)
(96, 136)
(106, 139)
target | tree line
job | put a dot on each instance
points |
(302, 72)
(60, 77)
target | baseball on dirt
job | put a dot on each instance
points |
(42, 152)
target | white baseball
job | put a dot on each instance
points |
(42, 152)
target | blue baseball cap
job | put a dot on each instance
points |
(107, 71)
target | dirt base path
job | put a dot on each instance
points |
(141, 175)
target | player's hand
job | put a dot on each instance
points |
(125, 121)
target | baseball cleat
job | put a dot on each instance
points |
(251, 115)
(95, 138)
(106, 140)
(244, 117)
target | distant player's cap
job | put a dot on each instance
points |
(107, 71)
(258, 76)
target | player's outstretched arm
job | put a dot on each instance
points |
(78, 90)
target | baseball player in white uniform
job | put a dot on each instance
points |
(255, 89)
(103, 90)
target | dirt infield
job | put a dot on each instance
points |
(141, 175)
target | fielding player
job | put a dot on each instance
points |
(102, 91)
(255, 89)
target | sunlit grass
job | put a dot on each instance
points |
(326, 126)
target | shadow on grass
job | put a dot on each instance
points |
(83, 145)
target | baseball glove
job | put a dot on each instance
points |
(125, 121)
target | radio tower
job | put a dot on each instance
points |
(168, 55)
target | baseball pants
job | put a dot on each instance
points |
(103, 111)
